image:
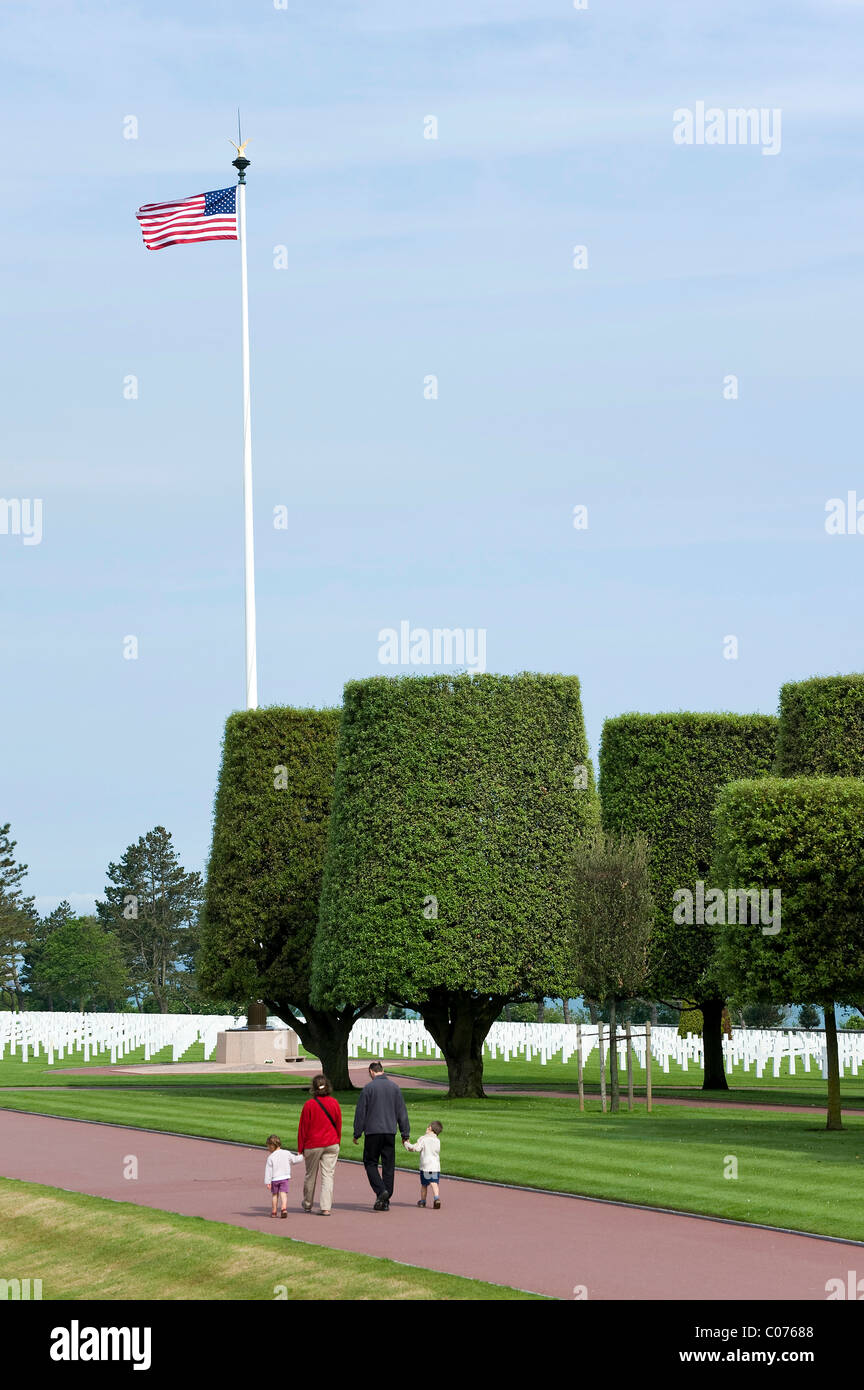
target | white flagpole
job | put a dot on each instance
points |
(241, 164)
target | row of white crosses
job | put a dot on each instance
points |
(380, 1035)
(504, 1041)
(54, 1037)
(112, 1037)
(748, 1047)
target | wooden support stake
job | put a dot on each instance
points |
(579, 1066)
(602, 1068)
(629, 1067)
(648, 1065)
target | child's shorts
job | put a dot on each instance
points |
(427, 1178)
(280, 1185)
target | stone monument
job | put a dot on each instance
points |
(256, 1044)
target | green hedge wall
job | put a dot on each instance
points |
(660, 775)
(805, 837)
(459, 789)
(264, 875)
(822, 728)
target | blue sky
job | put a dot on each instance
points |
(409, 257)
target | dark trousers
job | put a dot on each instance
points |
(380, 1148)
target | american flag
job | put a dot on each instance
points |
(206, 217)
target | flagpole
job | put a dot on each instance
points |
(241, 164)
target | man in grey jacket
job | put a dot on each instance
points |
(380, 1111)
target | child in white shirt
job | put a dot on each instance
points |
(277, 1173)
(428, 1146)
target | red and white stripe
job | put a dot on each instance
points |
(184, 220)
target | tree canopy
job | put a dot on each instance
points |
(264, 876)
(659, 777)
(457, 801)
(803, 837)
(82, 965)
(821, 731)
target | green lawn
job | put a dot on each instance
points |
(791, 1172)
(802, 1089)
(745, 1087)
(85, 1248)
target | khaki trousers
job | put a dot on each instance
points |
(325, 1161)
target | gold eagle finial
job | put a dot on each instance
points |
(239, 148)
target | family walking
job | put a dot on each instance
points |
(379, 1114)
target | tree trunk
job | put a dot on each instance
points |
(459, 1023)
(591, 1006)
(541, 1010)
(835, 1118)
(653, 1013)
(565, 1005)
(712, 1042)
(324, 1034)
(614, 1091)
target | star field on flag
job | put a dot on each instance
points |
(205, 217)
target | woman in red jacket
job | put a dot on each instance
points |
(318, 1138)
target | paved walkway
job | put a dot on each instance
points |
(544, 1242)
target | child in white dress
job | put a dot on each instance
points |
(277, 1173)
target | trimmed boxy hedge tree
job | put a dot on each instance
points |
(264, 877)
(805, 837)
(821, 730)
(457, 802)
(659, 777)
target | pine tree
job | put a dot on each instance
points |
(151, 906)
(43, 930)
(17, 919)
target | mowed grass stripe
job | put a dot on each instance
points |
(791, 1171)
(88, 1248)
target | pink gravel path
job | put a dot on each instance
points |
(544, 1242)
